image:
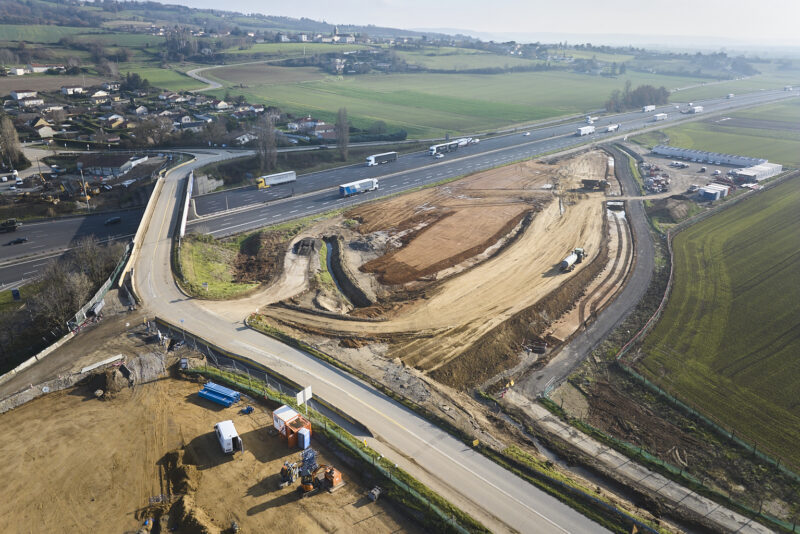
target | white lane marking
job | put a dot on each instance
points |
(408, 431)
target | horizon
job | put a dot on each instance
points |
(707, 23)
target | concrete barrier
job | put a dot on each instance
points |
(35, 358)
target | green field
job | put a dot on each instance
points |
(169, 79)
(295, 49)
(428, 105)
(459, 59)
(39, 33)
(768, 80)
(778, 146)
(729, 338)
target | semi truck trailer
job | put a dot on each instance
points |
(378, 159)
(9, 225)
(612, 127)
(585, 130)
(264, 182)
(361, 186)
(660, 117)
(645, 109)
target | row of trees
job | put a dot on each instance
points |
(644, 95)
(10, 148)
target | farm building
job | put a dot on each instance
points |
(108, 164)
(706, 157)
(759, 172)
(714, 192)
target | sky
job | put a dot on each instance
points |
(766, 22)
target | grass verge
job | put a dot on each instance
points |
(204, 260)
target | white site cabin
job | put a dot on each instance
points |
(228, 438)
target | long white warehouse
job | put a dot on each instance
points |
(706, 157)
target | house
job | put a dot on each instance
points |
(111, 86)
(186, 119)
(140, 111)
(293, 126)
(302, 38)
(166, 95)
(204, 118)
(219, 105)
(38, 68)
(30, 102)
(99, 97)
(17, 71)
(245, 138)
(45, 132)
(70, 90)
(324, 131)
(23, 93)
(257, 108)
(196, 126)
(37, 122)
(50, 109)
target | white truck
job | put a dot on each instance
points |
(585, 130)
(361, 186)
(264, 182)
(378, 159)
(730, 95)
(612, 127)
(645, 109)
(660, 117)
(228, 438)
(697, 109)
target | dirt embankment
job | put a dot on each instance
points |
(260, 257)
(345, 279)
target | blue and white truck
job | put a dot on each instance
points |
(361, 186)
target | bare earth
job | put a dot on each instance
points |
(77, 464)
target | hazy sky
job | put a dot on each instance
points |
(767, 22)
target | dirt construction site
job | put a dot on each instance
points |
(146, 459)
(460, 281)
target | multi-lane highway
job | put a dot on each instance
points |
(48, 239)
(239, 210)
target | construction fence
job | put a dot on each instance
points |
(265, 383)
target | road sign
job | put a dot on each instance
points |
(304, 396)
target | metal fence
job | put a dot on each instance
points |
(80, 317)
(271, 385)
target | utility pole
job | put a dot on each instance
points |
(83, 185)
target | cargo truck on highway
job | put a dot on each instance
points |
(361, 186)
(697, 109)
(264, 182)
(612, 127)
(585, 130)
(645, 109)
(660, 116)
(9, 225)
(378, 159)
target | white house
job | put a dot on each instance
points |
(111, 86)
(30, 102)
(23, 93)
(41, 67)
(17, 71)
(221, 105)
(141, 110)
(245, 138)
(71, 90)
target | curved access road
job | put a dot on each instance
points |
(577, 350)
(195, 73)
(499, 499)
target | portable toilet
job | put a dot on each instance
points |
(304, 438)
(228, 438)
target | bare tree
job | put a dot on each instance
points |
(267, 152)
(10, 149)
(342, 133)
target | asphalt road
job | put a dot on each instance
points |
(417, 169)
(48, 239)
(496, 497)
(635, 287)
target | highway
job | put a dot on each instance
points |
(48, 239)
(317, 192)
(494, 496)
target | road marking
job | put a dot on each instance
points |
(396, 423)
(293, 211)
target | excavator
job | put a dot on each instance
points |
(313, 477)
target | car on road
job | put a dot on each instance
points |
(526, 133)
(18, 241)
(12, 188)
(439, 156)
(113, 220)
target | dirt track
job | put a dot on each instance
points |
(84, 465)
(462, 308)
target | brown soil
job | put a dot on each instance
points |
(84, 465)
(669, 210)
(431, 324)
(260, 258)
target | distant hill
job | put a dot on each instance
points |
(117, 14)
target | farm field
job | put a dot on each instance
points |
(88, 465)
(457, 59)
(729, 337)
(40, 33)
(769, 132)
(295, 49)
(428, 105)
(258, 74)
(44, 82)
(768, 80)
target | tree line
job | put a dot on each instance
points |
(644, 95)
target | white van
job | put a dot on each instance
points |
(228, 438)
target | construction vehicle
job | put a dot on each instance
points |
(595, 184)
(289, 473)
(315, 478)
(10, 225)
(568, 264)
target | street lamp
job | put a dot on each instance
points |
(183, 332)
